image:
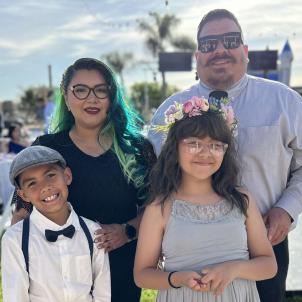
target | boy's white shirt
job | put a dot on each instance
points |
(59, 271)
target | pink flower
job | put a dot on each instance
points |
(205, 106)
(201, 103)
(172, 109)
(195, 112)
(194, 99)
(187, 106)
(229, 114)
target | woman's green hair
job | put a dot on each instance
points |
(123, 125)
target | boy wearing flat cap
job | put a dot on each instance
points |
(50, 256)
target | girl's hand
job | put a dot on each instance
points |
(219, 276)
(191, 280)
(110, 237)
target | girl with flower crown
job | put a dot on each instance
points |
(207, 228)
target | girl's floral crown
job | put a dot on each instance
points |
(198, 106)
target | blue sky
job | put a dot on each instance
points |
(35, 33)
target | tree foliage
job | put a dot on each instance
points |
(183, 43)
(119, 62)
(159, 33)
(32, 101)
(140, 91)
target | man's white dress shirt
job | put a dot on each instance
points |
(59, 271)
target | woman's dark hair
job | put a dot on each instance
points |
(165, 177)
(123, 124)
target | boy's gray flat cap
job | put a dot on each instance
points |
(31, 157)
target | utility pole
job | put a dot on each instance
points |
(49, 77)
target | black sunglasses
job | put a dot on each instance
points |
(230, 40)
(82, 91)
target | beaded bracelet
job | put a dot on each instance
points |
(169, 280)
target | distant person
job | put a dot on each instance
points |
(207, 227)
(15, 144)
(269, 132)
(1, 122)
(49, 111)
(40, 105)
(3, 144)
(50, 256)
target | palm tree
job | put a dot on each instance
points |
(184, 43)
(159, 35)
(159, 32)
(119, 62)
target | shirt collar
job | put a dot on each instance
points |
(42, 222)
(233, 92)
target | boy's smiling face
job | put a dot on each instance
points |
(45, 187)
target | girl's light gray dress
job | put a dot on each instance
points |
(198, 236)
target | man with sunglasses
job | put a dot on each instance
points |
(269, 132)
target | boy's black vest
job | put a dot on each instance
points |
(25, 239)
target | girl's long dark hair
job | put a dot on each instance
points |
(165, 177)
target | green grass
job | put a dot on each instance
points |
(294, 299)
(148, 295)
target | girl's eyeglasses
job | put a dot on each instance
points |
(82, 91)
(194, 146)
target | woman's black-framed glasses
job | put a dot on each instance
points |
(229, 40)
(82, 91)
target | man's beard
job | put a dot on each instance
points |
(223, 81)
(220, 78)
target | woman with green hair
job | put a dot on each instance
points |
(98, 134)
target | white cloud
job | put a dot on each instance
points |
(20, 49)
(78, 23)
(79, 51)
(62, 30)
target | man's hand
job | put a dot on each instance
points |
(278, 223)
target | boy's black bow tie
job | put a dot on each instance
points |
(52, 236)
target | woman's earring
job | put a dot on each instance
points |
(196, 76)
